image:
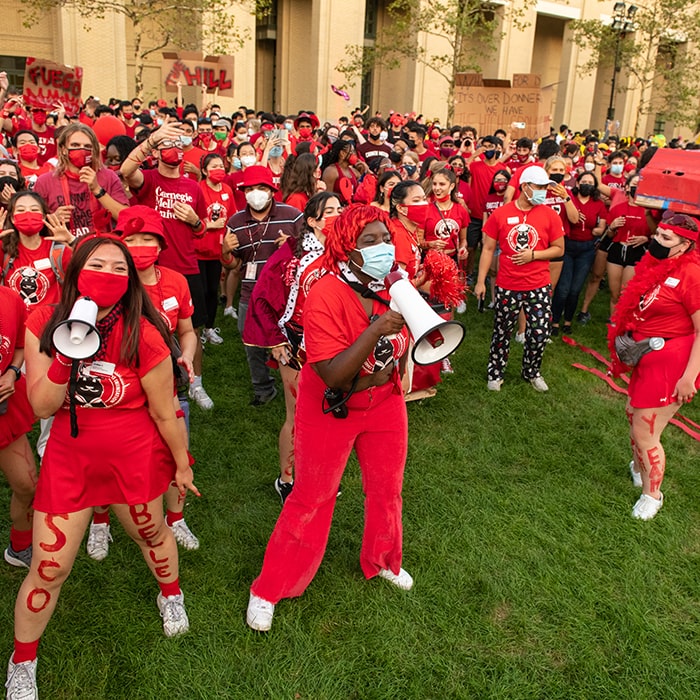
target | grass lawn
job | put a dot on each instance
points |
(532, 580)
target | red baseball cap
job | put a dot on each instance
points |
(256, 175)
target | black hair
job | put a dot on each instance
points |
(501, 172)
(399, 193)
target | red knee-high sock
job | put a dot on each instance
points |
(20, 539)
(100, 518)
(171, 517)
(168, 589)
(25, 651)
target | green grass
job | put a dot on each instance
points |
(532, 579)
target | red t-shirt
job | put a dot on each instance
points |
(297, 200)
(635, 221)
(593, 210)
(445, 225)
(194, 156)
(482, 178)
(233, 180)
(110, 383)
(493, 202)
(31, 274)
(407, 250)
(311, 274)
(220, 205)
(558, 206)
(89, 215)
(514, 230)
(171, 296)
(47, 143)
(12, 320)
(161, 193)
(614, 182)
(666, 310)
(30, 175)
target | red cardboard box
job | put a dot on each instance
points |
(671, 180)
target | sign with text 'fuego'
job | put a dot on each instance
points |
(190, 68)
(46, 83)
(496, 104)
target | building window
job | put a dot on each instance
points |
(371, 13)
(659, 124)
(14, 67)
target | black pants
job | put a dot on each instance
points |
(210, 271)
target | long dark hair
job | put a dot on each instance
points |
(381, 181)
(298, 176)
(135, 301)
(10, 243)
(399, 194)
(313, 210)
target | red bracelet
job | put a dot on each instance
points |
(59, 372)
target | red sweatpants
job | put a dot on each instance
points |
(377, 427)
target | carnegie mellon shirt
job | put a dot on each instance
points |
(161, 193)
(513, 230)
(12, 320)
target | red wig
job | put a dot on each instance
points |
(342, 239)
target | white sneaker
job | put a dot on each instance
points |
(462, 307)
(494, 384)
(636, 476)
(201, 398)
(230, 312)
(402, 580)
(21, 681)
(492, 304)
(647, 507)
(97, 546)
(539, 384)
(259, 614)
(172, 610)
(211, 335)
(446, 366)
(183, 535)
(520, 338)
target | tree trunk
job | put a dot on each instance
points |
(138, 59)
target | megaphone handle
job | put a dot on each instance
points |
(72, 402)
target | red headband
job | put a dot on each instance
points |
(680, 231)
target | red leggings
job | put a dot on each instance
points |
(377, 428)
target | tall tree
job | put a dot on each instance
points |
(470, 29)
(659, 52)
(186, 24)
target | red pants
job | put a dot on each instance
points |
(377, 427)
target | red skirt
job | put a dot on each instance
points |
(654, 379)
(19, 418)
(118, 457)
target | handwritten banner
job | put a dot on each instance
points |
(192, 68)
(490, 108)
(46, 83)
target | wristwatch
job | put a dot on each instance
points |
(101, 193)
(16, 370)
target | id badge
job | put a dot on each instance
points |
(170, 303)
(105, 369)
(250, 270)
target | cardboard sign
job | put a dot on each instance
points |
(496, 104)
(192, 68)
(46, 83)
(671, 180)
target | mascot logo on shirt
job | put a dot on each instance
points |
(445, 228)
(649, 298)
(309, 279)
(31, 284)
(522, 236)
(98, 390)
(384, 353)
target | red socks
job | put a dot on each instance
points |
(25, 651)
(168, 589)
(171, 517)
(20, 539)
(100, 518)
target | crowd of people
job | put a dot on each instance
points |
(160, 214)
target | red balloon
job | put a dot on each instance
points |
(108, 126)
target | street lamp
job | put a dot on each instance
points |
(622, 24)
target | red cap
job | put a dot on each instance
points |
(256, 175)
(315, 123)
(141, 219)
(162, 103)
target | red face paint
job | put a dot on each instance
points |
(47, 564)
(656, 468)
(38, 599)
(650, 421)
(139, 514)
(60, 542)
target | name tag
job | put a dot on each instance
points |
(512, 220)
(42, 264)
(250, 270)
(170, 303)
(106, 369)
(224, 196)
(672, 282)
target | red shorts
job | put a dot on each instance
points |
(19, 418)
(655, 377)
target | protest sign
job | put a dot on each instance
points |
(46, 83)
(191, 68)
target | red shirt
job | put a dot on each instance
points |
(297, 200)
(482, 178)
(615, 182)
(161, 193)
(220, 205)
(194, 156)
(31, 175)
(31, 274)
(233, 180)
(12, 320)
(593, 210)
(558, 206)
(666, 310)
(514, 230)
(493, 201)
(407, 250)
(635, 221)
(171, 296)
(445, 225)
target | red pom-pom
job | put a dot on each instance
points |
(446, 283)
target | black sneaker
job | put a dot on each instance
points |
(283, 488)
(262, 400)
(583, 317)
(23, 558)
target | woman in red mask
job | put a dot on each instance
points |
(141, 230)
(447, 218)
(87, 196)
(26, 146)
(120, 398)
(35, 251)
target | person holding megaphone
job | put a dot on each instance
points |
(115, 437)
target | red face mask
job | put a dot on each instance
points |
(114, 168)
(205, 138)
(352, 159)
(104, 288)
(216, 175)
(417, 213)
(28, 223)
(172, 156)
(500, 187)
(444, 198)
(305, 132)
(80, 157)
(28, 151)
(39, 118)
(328, 224)
(144, 255)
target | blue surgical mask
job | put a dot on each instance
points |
(378, 260)
(538, 197)
(617, 168)
(276, 151)
(186, 140)
(236, 162)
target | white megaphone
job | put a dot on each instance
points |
(434, 337)
(77, 337)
